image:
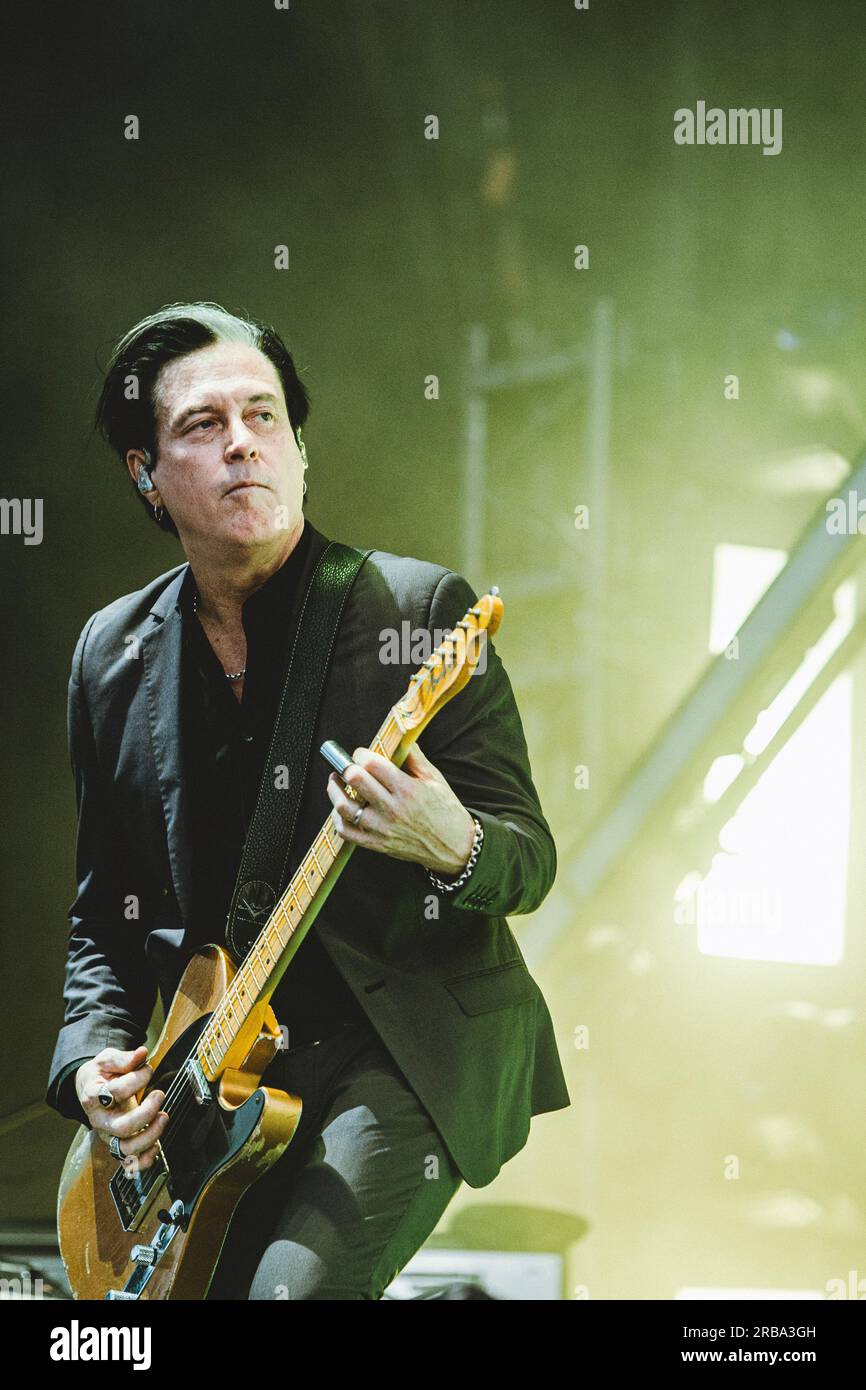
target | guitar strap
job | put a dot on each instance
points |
(263, 868)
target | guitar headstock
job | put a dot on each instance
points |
(450, 666)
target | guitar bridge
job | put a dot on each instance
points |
(145, 1258)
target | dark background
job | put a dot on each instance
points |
(306, 128)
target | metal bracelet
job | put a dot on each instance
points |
(476, 847)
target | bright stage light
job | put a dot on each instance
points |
(778, 889)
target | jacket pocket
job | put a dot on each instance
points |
(496, 988)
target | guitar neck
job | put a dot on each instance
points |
(235, 1023)
(291, 919)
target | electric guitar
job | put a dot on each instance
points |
(158, 1234)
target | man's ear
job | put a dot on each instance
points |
(140, 465)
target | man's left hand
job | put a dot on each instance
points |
(410, 812)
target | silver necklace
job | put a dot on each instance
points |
(229, 675)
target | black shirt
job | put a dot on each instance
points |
(225, 744)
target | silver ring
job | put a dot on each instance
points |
(105, 1097)
(114, 1147)
(357, 816)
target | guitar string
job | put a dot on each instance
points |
(183, 1101)
(183, 1080)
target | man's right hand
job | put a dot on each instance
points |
(121, 1075)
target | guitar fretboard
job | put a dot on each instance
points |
(252, 982)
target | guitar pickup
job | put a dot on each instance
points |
(200, 1088)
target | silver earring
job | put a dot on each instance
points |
(159, 512)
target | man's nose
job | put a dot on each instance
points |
(242, 442)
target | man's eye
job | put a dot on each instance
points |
(269, 413)
(202, 424)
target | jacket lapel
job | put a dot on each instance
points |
(161, 648)
(161, 655)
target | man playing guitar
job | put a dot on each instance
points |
(415, 1036)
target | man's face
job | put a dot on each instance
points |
(227, 467)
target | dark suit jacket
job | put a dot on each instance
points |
(450, 996)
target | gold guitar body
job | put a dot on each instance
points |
(176, 1260)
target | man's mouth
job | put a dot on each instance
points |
(248, 483)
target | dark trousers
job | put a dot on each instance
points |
(356, 1193)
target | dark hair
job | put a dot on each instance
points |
(125, 410)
